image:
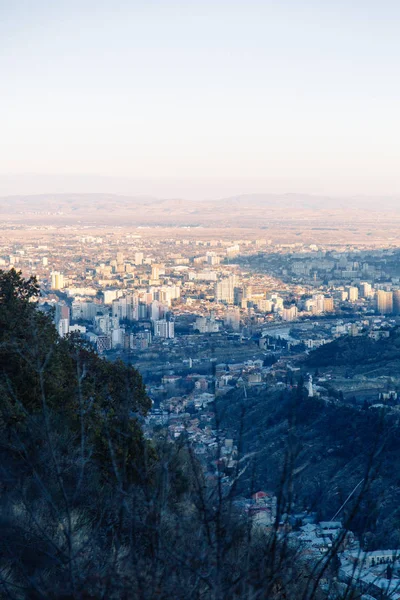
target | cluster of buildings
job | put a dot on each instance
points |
(369, 575)
(111, 281)
(374, 574)
(201, 317)
(107, 321)
(163, 303)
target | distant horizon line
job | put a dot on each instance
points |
(136, 195)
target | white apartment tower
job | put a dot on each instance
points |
(353, 293)
(289, 314)
(225, 290)
(164, 329)
(139, 258)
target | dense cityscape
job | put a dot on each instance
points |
(199, 300)
(202, 317)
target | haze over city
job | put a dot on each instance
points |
(199, 300)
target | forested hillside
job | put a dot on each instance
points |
(89, 507)
(314, 452)
(357, 351)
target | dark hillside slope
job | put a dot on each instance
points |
(327, 448)
(357, 351)
(91, 509)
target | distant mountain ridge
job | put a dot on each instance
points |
(245, 210)
(298, 201)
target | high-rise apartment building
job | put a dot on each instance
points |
(365, 289)
(62, 318)
(319, 300)
(110, 295)
(84, 310)
(352, 293)
(62, 311)
(117, 337)
(164, 329)
(225, 290)
(238, 296)
(57, 280)
(212, 258)
(139, 258)
(290, 314)
(264, 305)
(233, 251)
(206, 324)
(384, 302)
(120, 308)
(132, 307)
(155, 310)
(396, 302)
(63, 327)
(155, 272)
(328, 304)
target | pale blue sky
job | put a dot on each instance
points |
(200, 98)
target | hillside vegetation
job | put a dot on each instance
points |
(357, 351)
(313, 452)
(91, 509)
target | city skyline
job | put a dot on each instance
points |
(200, 299)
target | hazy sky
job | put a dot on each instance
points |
(200, 97)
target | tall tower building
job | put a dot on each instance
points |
(155, 311)
(63, 327)
(62, 311)
(139, 258)
(328, 304)
(164, 329)
(353, 293)
(57, 280)
(155, 272)
(247, 292)
(384, 302)
(319, 300)
(120, 265)
(225, 290)
(396, 302)
(62, 318)
(365, 289)
(289, 314)
(132, 307)
(212, 258)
